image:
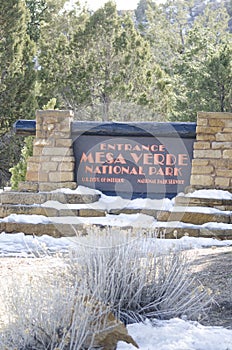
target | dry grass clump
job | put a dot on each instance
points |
(138, 281)
(102, 276)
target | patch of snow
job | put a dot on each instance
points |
(216, 194)
(121, 220)
(177, 334)
(114, 202)
(21, 245)
(217, 226)
(79, 190)
(204, 210)
(33, 219)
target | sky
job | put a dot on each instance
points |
(121, 4)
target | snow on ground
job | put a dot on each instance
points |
(22, 245)
(177, 334)
(174, 334)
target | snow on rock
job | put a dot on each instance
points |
(22, 218)
(215, 194)
(204, 210)
(79, 190)
(121, 220)
(115, 202)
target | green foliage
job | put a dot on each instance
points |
(191, 43)
(19, 170)
(17, 83)
(17, 80)
(37, 10)
(109, 70)
(204, 70)
(10, 148)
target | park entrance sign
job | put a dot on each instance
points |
(135, 159)
(127, 159)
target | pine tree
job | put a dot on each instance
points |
(204, 72)
(17, 83)
(17, 80)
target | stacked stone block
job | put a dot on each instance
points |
(212, 158)
(52, 164)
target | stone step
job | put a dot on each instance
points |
(30, 198)
(8, 209)
(170, 230)
(181, 214)
(221, 204)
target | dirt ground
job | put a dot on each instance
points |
(213, 267)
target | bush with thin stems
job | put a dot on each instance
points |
(138, 281)
(121, 273)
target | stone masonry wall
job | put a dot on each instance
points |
(212, 158)
(52, 163)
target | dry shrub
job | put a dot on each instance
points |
(124, 275)
(137, 280)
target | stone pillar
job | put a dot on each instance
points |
(212, 158)
(52, 164)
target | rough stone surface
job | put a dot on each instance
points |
(52, 161)
(202, 180)
(214, 142)
(222, 182)
(199, 218)
(52, 186)
(201, 170)
(60, 177)
(7, 209)
(23, 198)
(26, 186)
(207, 154)
(221, 204)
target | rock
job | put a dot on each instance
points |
(110, 329)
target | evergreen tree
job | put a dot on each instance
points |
(17, 80)
(55, 57)
(17, 94)
(113, 62)
(204, 72)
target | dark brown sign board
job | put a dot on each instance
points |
(134, 160)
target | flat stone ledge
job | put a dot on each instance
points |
(8, 209)
(74, 198)
(71, 230)
(27, 186)
(30, 198)
(52, 186)
(50, 229)
(221, 204)
(195, 218)
(23, 198)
